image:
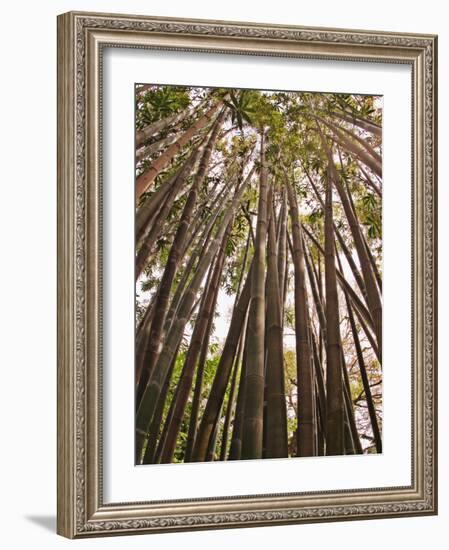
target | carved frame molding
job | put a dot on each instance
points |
(81, 39)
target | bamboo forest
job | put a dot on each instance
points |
(258, 272)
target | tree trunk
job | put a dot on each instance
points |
(363, 142)
(351, 147)
(334, 379)
(321, 396)
(150, 451)
(349, 258)
(370, 182)
(149, 240)
(141, 339)
(148, 402)
(235, 452)
(348, 255)
(362, 311)
(306, 422)
(231, 398)
(193, 422)
(201, 244)
(282, 249)
(367, 331)
(149, 150)
(361, 123)
(144, 180)
(349, 408)
(316, 297)
(365, 380)
(276, 444)
(155, 339)
(349, 405)
(210, 455)
(368, 250)
(149, 234)
(199, 332)
(150, 207)
(221, 379)
(165, 123)
(374, 301)
(252, 439)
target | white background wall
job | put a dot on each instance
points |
(28, 271)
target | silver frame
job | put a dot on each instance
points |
(81, 39)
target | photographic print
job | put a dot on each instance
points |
(235, 274)
(258, 232)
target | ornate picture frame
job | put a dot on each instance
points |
(82, 38)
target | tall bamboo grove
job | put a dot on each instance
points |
(258, 235)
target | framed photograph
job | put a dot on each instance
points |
(246, 274)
